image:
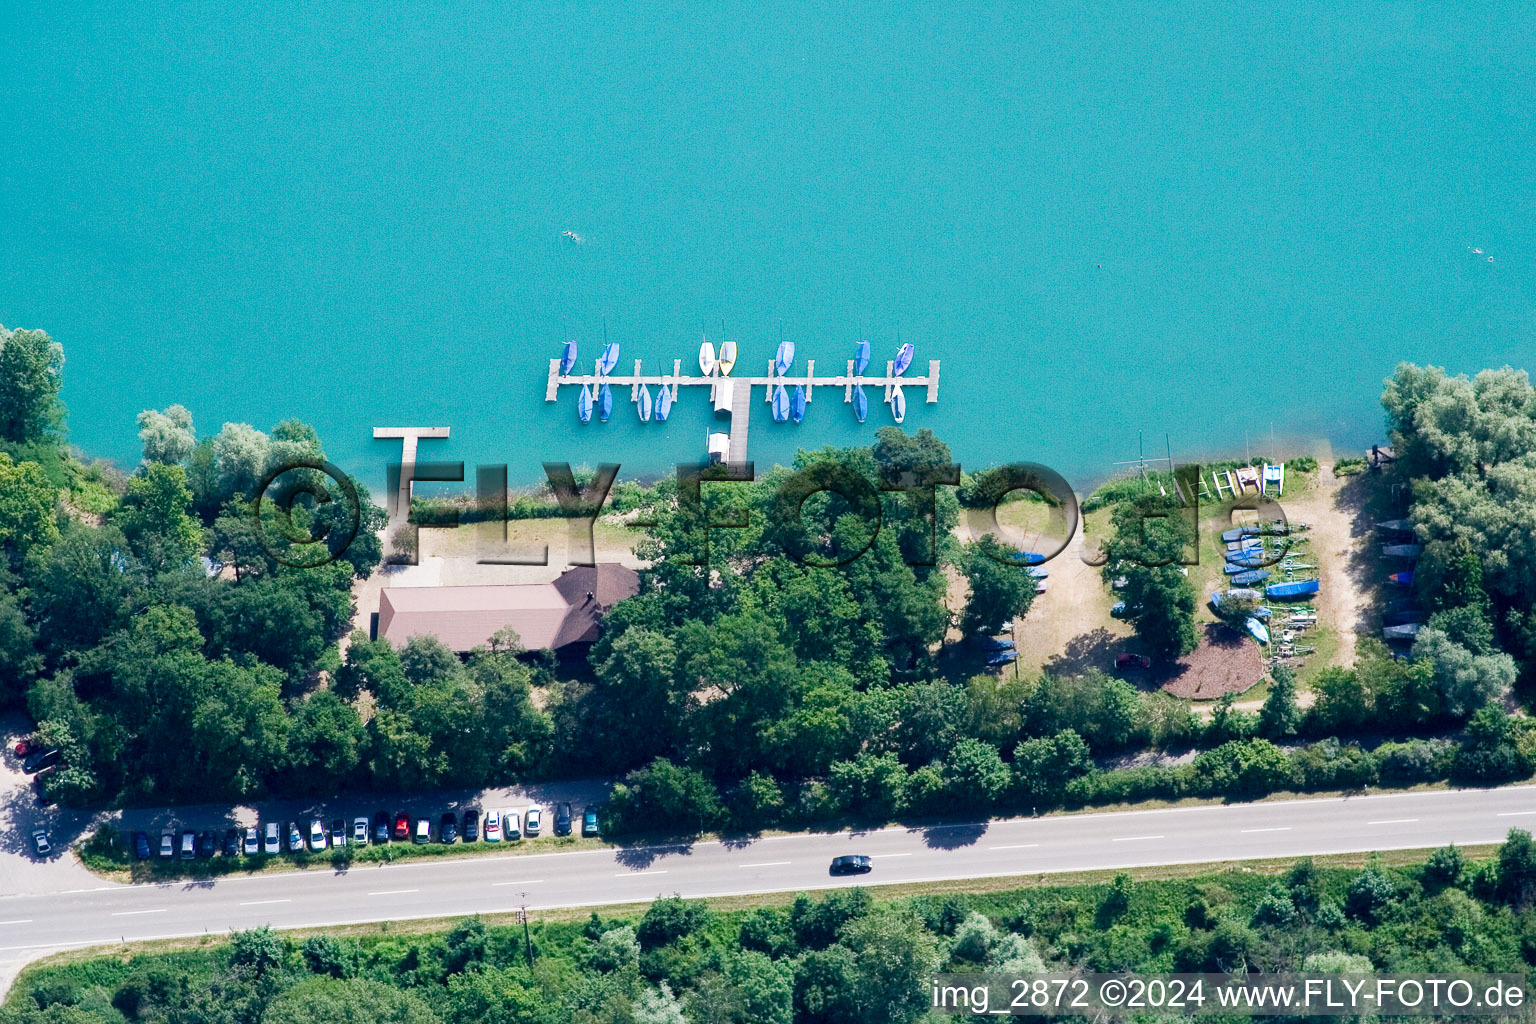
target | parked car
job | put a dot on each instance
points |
(562, 819)
(1132, 661)
(402, 825)
(472, 826)
(252, 841)
(339, 833)
(381, 827)
(207, 843)
(272, 844)
(40, 759)
(316, 835)
(167, 845)
(360, 831)
(423, 830)
(589, 823)
(141, 848)
(295, 838)
(40, 844)
(188, 844)
(533, 820)
(492, 826)
(851, 864)
(511, 825)
(448, 829)
(232, 842)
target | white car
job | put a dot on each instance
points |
(490, 828)
(511, 825)
(252, 842)
(360, 831)
(271, 844)
(167, 844)
(533, 819)
(316, 835)
(423, 830)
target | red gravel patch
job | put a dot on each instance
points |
(1225, 662)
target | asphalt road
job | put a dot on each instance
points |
(781, 863)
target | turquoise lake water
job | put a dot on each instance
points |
(1220, 222)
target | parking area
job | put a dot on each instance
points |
(23, 872)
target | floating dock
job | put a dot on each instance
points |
(738, 397)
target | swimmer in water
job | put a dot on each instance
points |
(573, 236)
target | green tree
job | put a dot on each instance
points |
(1466, 681)
(1280, 716)
(662, 796)
(155, 518)
(1043, 767)
(28, 507)
(999, 592)
(1517, 869)
(31, 371)
(167, 436)
(1152, 534)
(869, 787)
(974, 774)
(352, 1001)
(1369, 896)
(670, 919)
(20, 661)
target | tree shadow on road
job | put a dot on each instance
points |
(637, 858)
(952, 837)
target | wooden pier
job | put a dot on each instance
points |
(741, 388)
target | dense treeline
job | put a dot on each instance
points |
(159, 645)
(839, 958)
(155, 640)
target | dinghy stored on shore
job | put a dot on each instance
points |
(1257, 630)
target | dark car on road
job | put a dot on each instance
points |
(472, 825)
(381, 827)
(852, 864)
(562, 819)
(231, 842)
(448, 829)
(141, 846)
(40, 759)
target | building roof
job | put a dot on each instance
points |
(544, 615)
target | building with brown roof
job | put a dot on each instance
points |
(550, 616)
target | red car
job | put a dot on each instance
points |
(1132, 661)
(402, 825)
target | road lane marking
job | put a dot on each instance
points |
(1512, 814)
(261, 903)
(20, 920)
(1394, 821)
(1135, 839)
(1016, 846)
(637, 874)
(130, 913)
(767, 864)
(1282, 828)
(531, 881)
(393, 892)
